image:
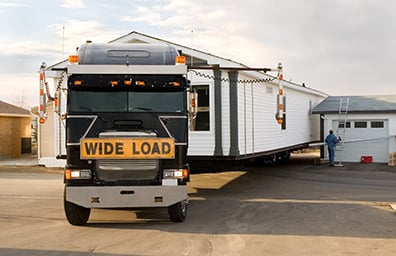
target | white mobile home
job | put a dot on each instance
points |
(239, 121)
(236, 108)
(370, 126)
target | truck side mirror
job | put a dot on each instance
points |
(192, 108)
(193, 103)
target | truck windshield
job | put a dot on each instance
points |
(123, 101)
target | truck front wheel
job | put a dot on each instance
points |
(178, 211)
(75, 214)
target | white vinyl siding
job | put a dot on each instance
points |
(258, 130)
(202, 143)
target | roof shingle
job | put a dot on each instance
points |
(375, 103)
(8, 109)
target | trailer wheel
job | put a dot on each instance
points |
(75, 214)
(178, 211)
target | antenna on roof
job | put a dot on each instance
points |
(63, 42)
(192, 47)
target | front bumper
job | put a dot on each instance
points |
(125, 196)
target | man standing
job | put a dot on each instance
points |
(331, 141)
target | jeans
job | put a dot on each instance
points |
(331, 154)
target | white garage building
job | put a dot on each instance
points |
(370, 127)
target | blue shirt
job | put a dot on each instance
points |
(331, 139)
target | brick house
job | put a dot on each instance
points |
(15, 130)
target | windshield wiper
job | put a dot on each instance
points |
(144, 109)
(93, 113)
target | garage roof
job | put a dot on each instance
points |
(11, 110)
(375, 103)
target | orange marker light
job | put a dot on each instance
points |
(140, 83)
(73, 59)
(181, 60)
(185, 173)
(68, 174)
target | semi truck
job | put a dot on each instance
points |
(131, 128)
(126, 121)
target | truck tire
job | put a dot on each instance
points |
(75, 214)
(178, 211)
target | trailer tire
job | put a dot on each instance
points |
(178, 211)
(75, 214)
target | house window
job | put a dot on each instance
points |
(377, 124)
(360, 124)
(202, 121)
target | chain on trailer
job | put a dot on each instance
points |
(280, 96)
(238, 81)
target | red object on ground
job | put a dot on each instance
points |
(366, 159)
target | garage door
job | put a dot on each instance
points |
(365, 138)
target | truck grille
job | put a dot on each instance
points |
(127, 169)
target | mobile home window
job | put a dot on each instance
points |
(360, 124)
(203, 117)
(377, 124)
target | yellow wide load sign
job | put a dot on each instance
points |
(127, 148)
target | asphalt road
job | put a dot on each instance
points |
(297, 209)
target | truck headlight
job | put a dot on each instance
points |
(83, 174)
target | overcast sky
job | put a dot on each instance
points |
(340, 47)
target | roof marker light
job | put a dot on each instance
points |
(180, 60)
(175, 84)
(140, 83)
(73, 59)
